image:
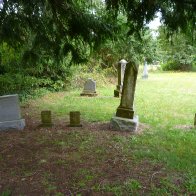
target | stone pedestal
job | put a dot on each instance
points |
(125, 124)
(46, 118)
(75, 119)
(10, 116)
(12, 125)
(125, 112)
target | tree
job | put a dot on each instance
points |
(128, 47)
(52, 28)
(177, 53)
(61, 26)
(175, 14)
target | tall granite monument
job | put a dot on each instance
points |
(121, 70)
(125, 120)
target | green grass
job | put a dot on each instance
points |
(167, 99)
(165, 102)
(92, 109)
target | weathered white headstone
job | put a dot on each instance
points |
(10, 116)
(89, 88)
(145, 71)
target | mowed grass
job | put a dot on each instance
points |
(93, 160)
(165, 102)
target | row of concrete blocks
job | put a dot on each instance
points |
(46, 119)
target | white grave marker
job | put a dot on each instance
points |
(89, 88)
(145, 71)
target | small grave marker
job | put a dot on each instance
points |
(75, 119)
(46, 118)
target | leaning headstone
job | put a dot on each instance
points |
(121, 70)
(89, 88)
(125, 120)
(145, 71)
(46, 118)
(10, 116)
(75, 119)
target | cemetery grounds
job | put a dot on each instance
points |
(93, 159)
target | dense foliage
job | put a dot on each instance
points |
(178, 53)
(175, 14)
(41, 39)
(55, 28)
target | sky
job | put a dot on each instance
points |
(1, 3)
(155, 23)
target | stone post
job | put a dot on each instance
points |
(125, 119)
(46, 118)
(75, 119)
(121, 70)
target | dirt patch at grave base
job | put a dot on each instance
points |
(60, 160)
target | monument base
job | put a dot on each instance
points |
(124, 124)
(116, 93)
(124, 113)
(145, 77)
(88, 93)
(12, 125)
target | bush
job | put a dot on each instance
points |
(17, 83)
(83, 72)
(176, 66)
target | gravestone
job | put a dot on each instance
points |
(145, 71)
(10, 116)
(75, 119)
(121, 70)
(125, 119)
(46, 118)
(89, 88)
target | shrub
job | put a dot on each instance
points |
(17, 83)
(83, 72)
(172, 65)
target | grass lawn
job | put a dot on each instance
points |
(94, 160)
